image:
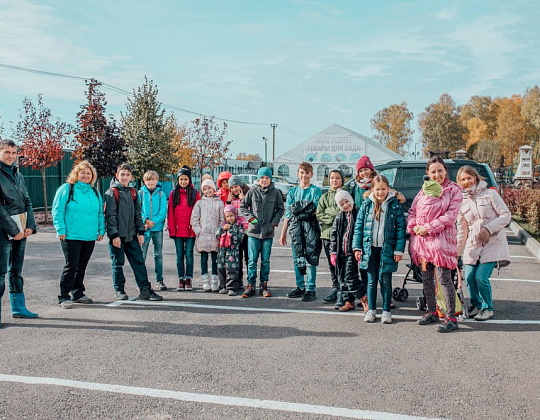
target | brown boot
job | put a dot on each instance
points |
(264, 290)
(364, 302)
(348, 306)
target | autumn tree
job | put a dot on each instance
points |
(512, 132)
(441, 127)
(254, 157)
(207, 139)
(42, 140)
(530, 111)
(393, 127)
(98, 140)
(146, 131)
(183, 151)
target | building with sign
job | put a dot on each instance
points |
(334, 147)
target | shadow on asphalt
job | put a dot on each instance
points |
(231, 331)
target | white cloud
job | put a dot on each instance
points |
(446, 14)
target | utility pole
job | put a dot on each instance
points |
(265, 151)
(273, 142)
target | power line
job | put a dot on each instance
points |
(120, 90)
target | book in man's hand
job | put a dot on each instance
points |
(20, 220)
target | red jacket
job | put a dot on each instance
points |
(178, 218)
(223, 192)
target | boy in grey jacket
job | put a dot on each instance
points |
(263, 208)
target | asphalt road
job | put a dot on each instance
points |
(201, 355)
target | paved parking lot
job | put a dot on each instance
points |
(207, 356)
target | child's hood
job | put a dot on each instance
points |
(157, 189)
(391, 194)
(223, 176)
(116, 184)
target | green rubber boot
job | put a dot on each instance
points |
(18, 306)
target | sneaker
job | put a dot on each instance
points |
(348, 306)
(427, 318)
(296, 293)
(249, 291)
(364, 303)
(339, 301)
(447, 326)
(386, 317)
(473, 311)
(370, 316)
(149, 294)
(66, 304)
(484, 315)
(331, 298)
(83, 299)
(223, 291)
(263, 291)
(232, 292)
(121, 295)
(188, 287)
(160, 286)
(309, 296)
(181, 286)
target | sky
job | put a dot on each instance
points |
(302, 64)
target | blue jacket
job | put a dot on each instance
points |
(82, 218)
(153, 207)
(394, 234)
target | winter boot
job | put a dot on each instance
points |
(340, 301)
(215, 283)
(206, 283)
(18, 307)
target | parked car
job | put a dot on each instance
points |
(279, 182)
(407, 176)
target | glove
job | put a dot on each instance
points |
(483, 235)
(333, 258)
(254, 221)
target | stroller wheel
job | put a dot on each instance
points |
(403, 295)
(395, 293)
(421, 303)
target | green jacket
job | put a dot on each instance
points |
(327, 210)
(14, 200)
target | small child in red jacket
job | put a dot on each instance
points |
(181, 203)
(223, 184)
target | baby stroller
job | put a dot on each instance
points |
(414, 274)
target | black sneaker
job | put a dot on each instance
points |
(296, 293)
(331, 298)
(428, 318)
(121, 295)
(309, 296)
(447, 326)
(149, 294)
(83, 299)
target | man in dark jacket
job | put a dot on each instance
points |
(263, 208)
(125, 230)
(17, 223)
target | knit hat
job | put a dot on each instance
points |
(431, 188)
(364, 162)
(343, 195)
(233, 210)
(208, 183)
(235, 180)
(184, 170)
(265, 171)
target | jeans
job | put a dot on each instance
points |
(184, 249)
(11, 263)
(77, 254)
(243, 257)
(133, 252)
(477, 278)
(311, 275)
(204, 263)
(263, 247)
(157, 239)
(335, 282)
(374, 277)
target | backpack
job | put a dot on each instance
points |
(116, 195)
(72, 192)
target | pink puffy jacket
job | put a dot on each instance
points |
(438, 215)
(483, 207)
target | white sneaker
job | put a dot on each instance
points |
(206, 282)
(370, 316)
(484, 315)
(386, 317)
(66, 304)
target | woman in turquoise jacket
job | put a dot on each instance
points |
(78, 219)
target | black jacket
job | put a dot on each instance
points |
(341, 240)
(123, 220)
(14, 200)
(305, 232)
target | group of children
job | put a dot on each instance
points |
(360, 225)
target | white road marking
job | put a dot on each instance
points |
(211, 399)
(522, 256)
(302, 311)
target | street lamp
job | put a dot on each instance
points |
(265, 150)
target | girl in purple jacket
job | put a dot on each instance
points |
(433, 242)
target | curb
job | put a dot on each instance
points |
(524, 237)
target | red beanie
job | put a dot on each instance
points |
(364, 162)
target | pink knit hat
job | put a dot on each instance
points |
(208, 183)
(364, 162)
